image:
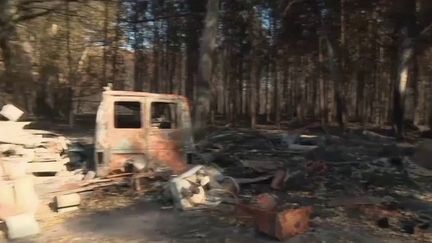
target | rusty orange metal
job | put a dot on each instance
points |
(266, 201)
(292, 222)
(150, 131)
(280, 225)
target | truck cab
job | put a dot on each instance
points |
(143, 132)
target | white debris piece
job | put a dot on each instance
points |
(67, 202)
(300, 142)
(188, 190)
(11, 112)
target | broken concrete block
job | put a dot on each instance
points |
(68, 200)
(25, 194)
(21, 225)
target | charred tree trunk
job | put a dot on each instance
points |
(118, 84)
(69, 67)
(255, 73)
(322, 92)
(207, 47)
(277, 94)
(267, 103)
(194, 28)
(336, 74)
(405, 54)
(154, 85)
(239, 89)
(407, 31)
(105, 45)
(284, 96)
(253, 95)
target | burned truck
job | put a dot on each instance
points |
(139, 131)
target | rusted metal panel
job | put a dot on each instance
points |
(117, 146)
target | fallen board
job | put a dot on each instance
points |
(52, 166)
(88, 188)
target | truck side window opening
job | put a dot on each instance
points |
(127, 114)
(164, 115)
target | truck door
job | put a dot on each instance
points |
(126, 135)
(165, 144)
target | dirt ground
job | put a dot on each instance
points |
(125, 218)
(344, 198)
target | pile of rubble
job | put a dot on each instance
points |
(34, 151)
(286, 182)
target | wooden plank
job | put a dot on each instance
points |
(45, 166)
